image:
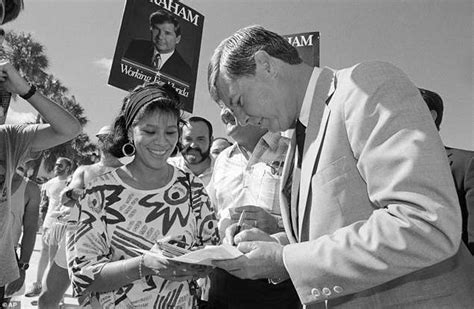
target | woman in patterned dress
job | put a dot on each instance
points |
(137, 204)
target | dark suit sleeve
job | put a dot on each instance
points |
(177, 67)
(140, 51)
(131, 52)
(469, 189)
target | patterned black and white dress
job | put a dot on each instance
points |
(116, 217)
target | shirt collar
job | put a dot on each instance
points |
(164, 56)
(269, 138)
(308, 98)
(232, 150)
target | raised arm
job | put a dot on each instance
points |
(61, 125)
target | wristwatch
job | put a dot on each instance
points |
(23, 266)
(30, 93)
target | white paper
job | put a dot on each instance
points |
(203, 256)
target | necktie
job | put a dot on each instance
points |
(291, 188)
(300, 132)
(157, 61)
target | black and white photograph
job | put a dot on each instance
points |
(236, 154)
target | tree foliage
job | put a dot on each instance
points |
(30, 59)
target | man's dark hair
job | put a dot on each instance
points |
(162, 16)
(201, 119)
(434, 102)
(2, 32)
(235, 55)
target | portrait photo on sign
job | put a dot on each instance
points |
(158, 41)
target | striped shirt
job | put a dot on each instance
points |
(238, 181)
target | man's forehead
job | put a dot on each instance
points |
(165, 26)
(196, 128)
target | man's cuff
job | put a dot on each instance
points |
(276, 281)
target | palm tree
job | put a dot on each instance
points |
(29, 58)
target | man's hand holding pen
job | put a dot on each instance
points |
(239, 232)
(256, 216)
(263, 255)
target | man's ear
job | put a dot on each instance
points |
(265, 63)
(178, 39)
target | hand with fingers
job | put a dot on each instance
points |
(173, 270)
(235, 235)
(16, 285)
(255, 216)
(11, 79)
(261, 260)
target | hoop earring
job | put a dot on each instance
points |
(128, 149)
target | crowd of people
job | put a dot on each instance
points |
(359, 206)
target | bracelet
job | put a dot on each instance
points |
(30, 93)
(140, 265)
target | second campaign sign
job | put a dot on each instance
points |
(159, 40)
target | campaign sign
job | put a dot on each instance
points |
(159, 40)
(307, 44)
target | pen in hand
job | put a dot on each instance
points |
(240, 223)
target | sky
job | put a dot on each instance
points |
(430, 40)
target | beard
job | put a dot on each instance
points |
(193, 159)
(59, 172)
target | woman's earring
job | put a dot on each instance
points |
(128, 149)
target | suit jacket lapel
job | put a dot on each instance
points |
(148, 55)
(318, 118)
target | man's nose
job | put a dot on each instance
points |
(241, 116)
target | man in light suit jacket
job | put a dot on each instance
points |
(160, 52)
(369, 209)
(462, 168)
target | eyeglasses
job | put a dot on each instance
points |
(2, 11)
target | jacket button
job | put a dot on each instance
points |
(337, 289)
(326, 291)
(315, 292)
